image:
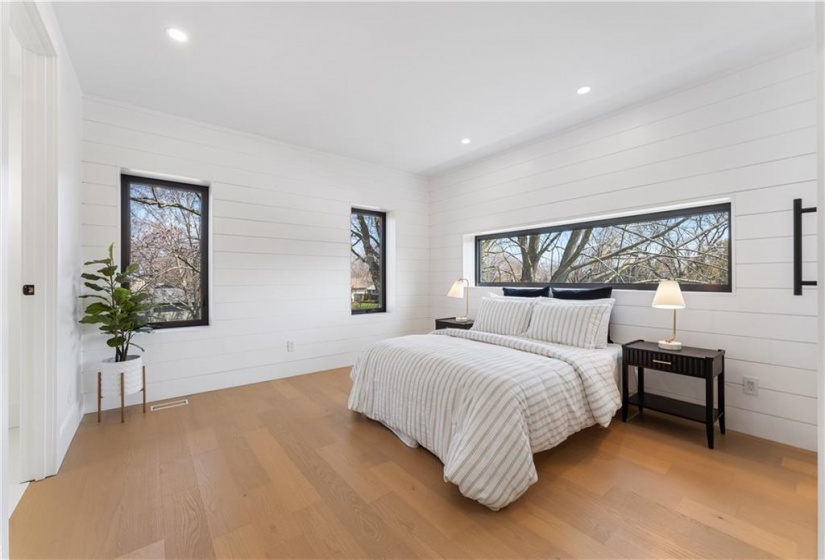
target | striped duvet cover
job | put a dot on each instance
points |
(483, 403)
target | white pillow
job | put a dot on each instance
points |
(500, 315)
(602, 334)
(572, 322)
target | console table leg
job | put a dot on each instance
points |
(709, 409)
(144, 389)
(720, 390)
(641, 389)
(625, 392)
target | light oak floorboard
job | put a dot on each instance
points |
(283, 469)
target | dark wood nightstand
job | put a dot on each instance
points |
(452, 323)
(692, 362)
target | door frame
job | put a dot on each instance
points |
(38, 430)
(820, 203)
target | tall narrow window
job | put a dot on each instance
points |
(368, 292)
(165, 233)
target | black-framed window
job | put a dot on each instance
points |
(690, 245)
(368, 259)
(165, 231)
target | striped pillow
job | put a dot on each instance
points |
(508, 316)
(603, 333)
(574, 323)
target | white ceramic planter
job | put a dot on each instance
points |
(110, 371)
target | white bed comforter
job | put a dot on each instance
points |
(484, 403)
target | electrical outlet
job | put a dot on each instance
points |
(750, 385)
(290, 346)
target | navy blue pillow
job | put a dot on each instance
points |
(527, 292)
(587, 293)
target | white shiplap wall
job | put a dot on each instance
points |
(748, 136)
(280, 249)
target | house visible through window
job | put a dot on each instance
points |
(690, 245)
(368, 293)
(165, 233)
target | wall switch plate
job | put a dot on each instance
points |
(290, 346)
(750, 385)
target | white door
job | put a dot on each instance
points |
(14, 272)
(28, 183)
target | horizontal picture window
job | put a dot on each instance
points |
(690, 245)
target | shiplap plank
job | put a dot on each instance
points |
(103, 195)
(771, 224)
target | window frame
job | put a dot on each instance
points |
(627, 219)
(126, 181)
(383, 232)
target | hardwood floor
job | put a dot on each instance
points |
(282, 469)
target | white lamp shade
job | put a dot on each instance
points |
(457, 291)
(668, 296)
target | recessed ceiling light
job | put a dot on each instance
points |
(584, 90)
(177, 35)
(465, 140)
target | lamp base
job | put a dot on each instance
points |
(670, 345)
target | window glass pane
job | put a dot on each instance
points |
(166, 236)
(691, 246)
(367, 293)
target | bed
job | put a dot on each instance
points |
(484, 402)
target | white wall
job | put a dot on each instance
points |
(280, 249)
(748, 136)
(67, 339)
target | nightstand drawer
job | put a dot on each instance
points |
(666, 361)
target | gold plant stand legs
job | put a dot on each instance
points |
(122, 395)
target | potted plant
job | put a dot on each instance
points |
(121, 313)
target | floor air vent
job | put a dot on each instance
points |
(170, 404)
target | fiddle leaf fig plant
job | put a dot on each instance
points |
(120, 312)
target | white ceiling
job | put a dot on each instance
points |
(401, 84)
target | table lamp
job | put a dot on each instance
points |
(669, 296)
(457, 291)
